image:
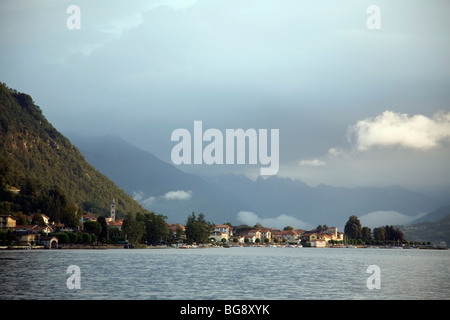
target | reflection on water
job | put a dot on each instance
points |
(217, 273)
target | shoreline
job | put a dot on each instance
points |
(140, 247)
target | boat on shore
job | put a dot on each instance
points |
(187, 246)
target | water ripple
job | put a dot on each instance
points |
(223, 274)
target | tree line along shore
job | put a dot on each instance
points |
(149, 230)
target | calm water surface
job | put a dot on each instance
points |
(219, 273)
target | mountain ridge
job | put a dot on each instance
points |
(267, 197)
(150, 180)
(35, 156)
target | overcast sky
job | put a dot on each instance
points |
(353, 105)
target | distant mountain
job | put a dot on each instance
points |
(434, 232)
(38, 160)
(163, 188)
(157, 185)
(323, 204)
(433, 216)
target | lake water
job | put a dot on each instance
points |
(238, 273)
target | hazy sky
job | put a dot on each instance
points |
(353, 105)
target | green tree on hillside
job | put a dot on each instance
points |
(22, 219)
(92, 227)
(257, 226)
(38, 219)
(321, 228)
(70, 215)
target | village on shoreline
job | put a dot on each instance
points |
(49, 235)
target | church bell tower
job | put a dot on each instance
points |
(113, 210)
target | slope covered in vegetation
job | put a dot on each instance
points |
(52, 175)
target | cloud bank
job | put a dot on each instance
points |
(279, 222)
(382, 218)
(312, 163)
(178, 195)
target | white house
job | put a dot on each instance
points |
(218, 236)
(223, 228)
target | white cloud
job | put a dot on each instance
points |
(178, 195)
(396, 129)
(148, 201)
(138, 196)
(312, 163)
(119, 25)
(383, 218)
(335, 151)
(279, 222)
(171, 195)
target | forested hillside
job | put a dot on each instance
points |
(435, 232)
(52, 175)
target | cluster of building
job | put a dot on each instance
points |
(222, 233)
(117, 223)
(33, 233)
(29, 234)
(226, 233)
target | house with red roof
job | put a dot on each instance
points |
(117, 224)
